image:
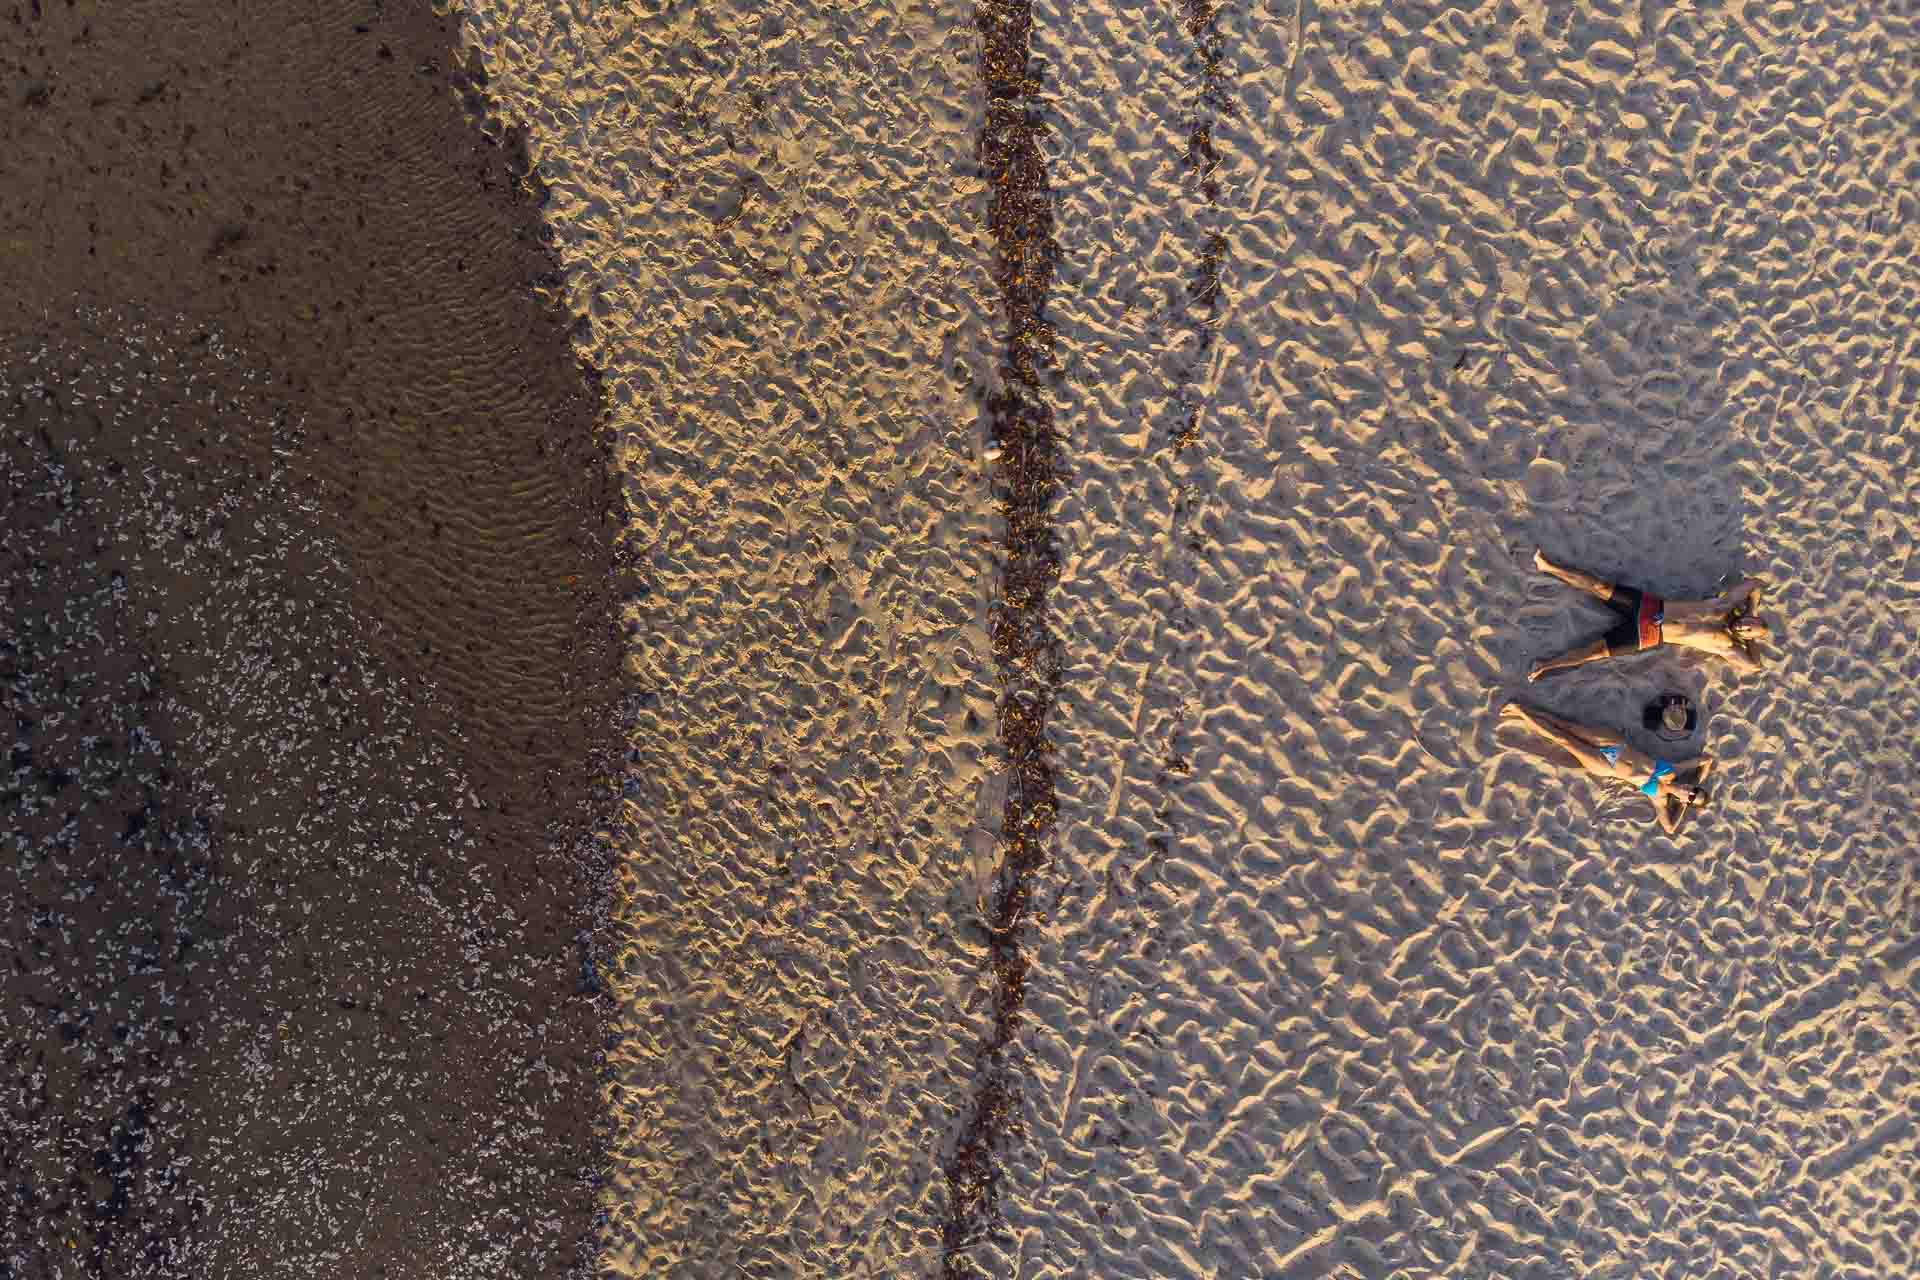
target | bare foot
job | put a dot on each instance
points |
(1514, 711)
(1534, 672)
(1540, 560)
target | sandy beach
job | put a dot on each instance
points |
(1356, 306)
(881, 656)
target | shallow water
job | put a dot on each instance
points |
(306, 597)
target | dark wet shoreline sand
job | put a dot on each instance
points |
(306, 192)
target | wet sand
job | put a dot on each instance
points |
(776, 217)
(308, 659)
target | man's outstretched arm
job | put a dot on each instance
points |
(1728, 601)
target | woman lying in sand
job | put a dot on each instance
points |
(1674, 787)
(1723, 626)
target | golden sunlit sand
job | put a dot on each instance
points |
(1322, 978)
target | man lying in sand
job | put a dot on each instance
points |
(1723, 626)
(1674, 787)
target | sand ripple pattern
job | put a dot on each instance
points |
(1330, 985)
(776, 235)
(1327, 984)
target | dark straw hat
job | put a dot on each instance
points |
(1670, 717)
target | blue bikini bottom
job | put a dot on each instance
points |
(1661, 769)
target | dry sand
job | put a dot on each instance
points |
(307, 650)
(1326, 981)
(1331, 984)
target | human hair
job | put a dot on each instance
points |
(1701, 798)
(1749, 628)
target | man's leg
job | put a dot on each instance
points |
(1599, 588)
(1572, 658)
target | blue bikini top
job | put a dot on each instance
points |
(1651, 786)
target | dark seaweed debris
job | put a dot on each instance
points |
(1203, 166)
(1025, 651)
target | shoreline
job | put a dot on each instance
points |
(299, 236)
(1030, 576)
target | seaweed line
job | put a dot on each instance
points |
(1025, 651)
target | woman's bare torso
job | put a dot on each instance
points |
(1632, 764)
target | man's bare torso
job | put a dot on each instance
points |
(1700, 625)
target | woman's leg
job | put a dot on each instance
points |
(1587, 733)
(1572, 658)
(1582, 750)
(1599, 588)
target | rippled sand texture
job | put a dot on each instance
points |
(1332, 984)
(769, 215)
(1327, 982)
(341, 838)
